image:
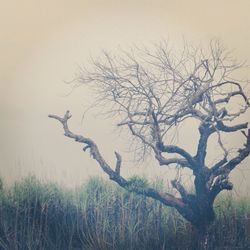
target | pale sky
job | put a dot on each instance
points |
(43, 42)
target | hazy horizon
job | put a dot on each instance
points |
(42, 45)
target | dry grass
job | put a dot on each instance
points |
(100, 215)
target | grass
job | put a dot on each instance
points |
(100, 215)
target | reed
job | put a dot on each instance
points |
(100, 215)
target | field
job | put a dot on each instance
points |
(100, 215)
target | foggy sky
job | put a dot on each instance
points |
(43, 43)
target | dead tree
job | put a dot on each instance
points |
(155, 91)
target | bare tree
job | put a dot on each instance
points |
(155, 91)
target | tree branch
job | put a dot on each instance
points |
(221, 183)
(205, 132)
(175, 149)
(180, 188)
(221, 126)
(230, 165)
(166, 198)
(179, 161)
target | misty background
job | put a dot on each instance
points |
(43, 44)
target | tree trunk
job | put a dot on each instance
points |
(202, 217)
(203, 238)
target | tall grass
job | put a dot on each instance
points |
(100, 215)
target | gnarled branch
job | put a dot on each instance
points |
(165, 198)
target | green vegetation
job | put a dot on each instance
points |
(100, 215)
(138, 183)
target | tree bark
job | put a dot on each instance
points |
(203, 242)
